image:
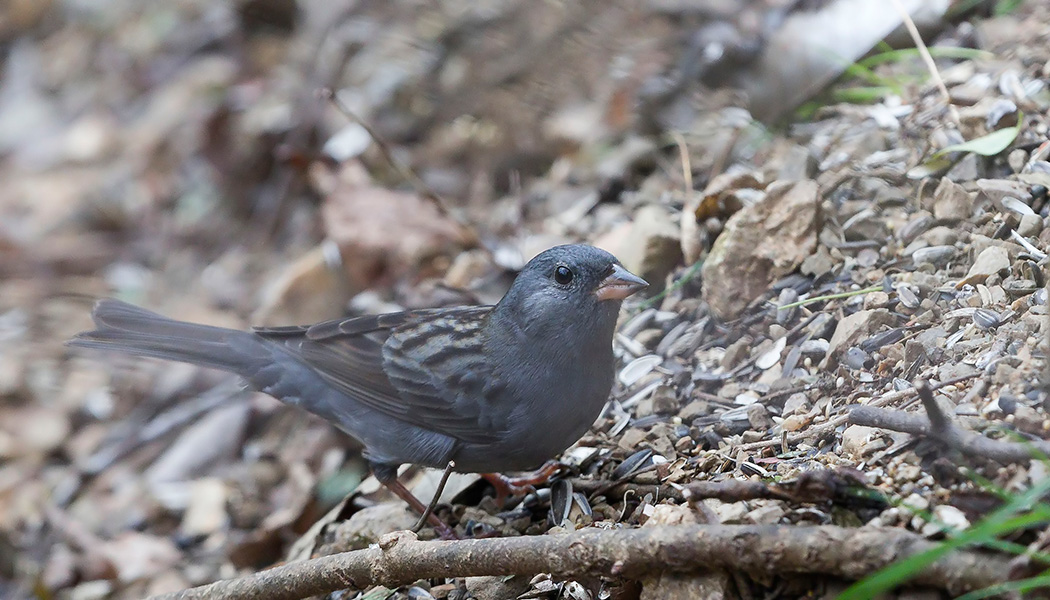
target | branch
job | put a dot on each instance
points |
(831, 425)
(398, 558)
(967, 442)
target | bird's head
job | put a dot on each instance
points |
(570, 286)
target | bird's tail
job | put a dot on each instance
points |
(126, 328)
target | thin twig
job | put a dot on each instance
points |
(832, 424)
(936, 425)
(927, 58)
(398, 558)
(437, 495)
(849, 294)
(687, 165)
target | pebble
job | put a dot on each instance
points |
(916, 503)
(767, 514)
(758, 417)
(1027, 419)
(1030, 225)
(951, 201)
(796, 403)
(941, 236)
(945, 516)
(632, 439)
(990, 261)
(728, 512)
(856, 440)
(696, 408)
(933, 255)
(1017, 159)
(664, 400)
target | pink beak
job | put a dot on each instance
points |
(620, 284)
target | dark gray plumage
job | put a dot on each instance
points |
(495, 388)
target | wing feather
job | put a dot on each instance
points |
(424, 367)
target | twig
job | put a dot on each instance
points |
(848, 294)
(398, 558)
(687, 165)
(927, 58)
(832, 424)
(937, 426)
(437, 495)
(839, 485)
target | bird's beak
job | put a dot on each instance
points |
(619, 284)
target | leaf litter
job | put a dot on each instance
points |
(178, 156)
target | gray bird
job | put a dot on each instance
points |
(493, 388)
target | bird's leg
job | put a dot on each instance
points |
(517, 486)
(388, 477)
(437, 495)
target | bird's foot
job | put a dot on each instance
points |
(519, 486)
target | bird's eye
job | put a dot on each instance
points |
(563, 275)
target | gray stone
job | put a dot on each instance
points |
(952, 201)
(1030, 225)
(991, 260)
(760, 244)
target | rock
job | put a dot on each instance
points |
(665, 402)
(718, 200)
(696, 408)
(915, 502)
(991, 260)
(735, 353)
(497, 587)
(728, 512)
(652, 247)
(669, 586)
(1030, 225)
(671, 514)
(951, 201)
(767, 513)
(797, 403)
(994, 190)
(367, 525)
(758, 417)
(852, 329)
(867, 226)
(951, 516)
(940, 236)
(760, 244)
(1027, 419)
(632, 439)
(934, 255)
(818, 264)
(856, 440)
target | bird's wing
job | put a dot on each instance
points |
(423, 367)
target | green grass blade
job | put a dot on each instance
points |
(1021, 585)
(1001, 521)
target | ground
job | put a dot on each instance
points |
(263, 162)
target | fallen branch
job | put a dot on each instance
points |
(834, 423)
(842, 486)
(967, 442)
(398, 558)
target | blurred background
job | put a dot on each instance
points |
(264, 162)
